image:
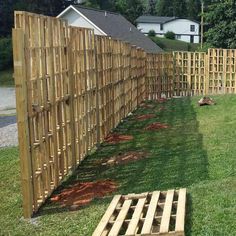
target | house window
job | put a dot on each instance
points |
(161, 27)
(178, 36)
(192, 28)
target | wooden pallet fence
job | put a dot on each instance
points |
(176, 74)
(221, 71)
(72, 89)
(155, 213)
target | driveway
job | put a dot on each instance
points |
(8, 127)
(7, 101)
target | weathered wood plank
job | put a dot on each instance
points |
(165, 221)
(180, 215)
(105, 219)
(147, 226)
(22, 120)
(131, 230)
(120, 218)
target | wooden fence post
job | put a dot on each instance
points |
(22, 120)
(71, 82)
(96, 42)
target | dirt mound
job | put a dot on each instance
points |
(145, 117)
(156, 126)
(206, 101)
(116, 138)
(81, 194)
(125, 158)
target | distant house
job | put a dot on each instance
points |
(184, 29)
(109, 24)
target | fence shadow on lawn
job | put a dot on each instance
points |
(176, 157)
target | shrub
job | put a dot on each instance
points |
(151, 33)
(6, 53)
(170, 35)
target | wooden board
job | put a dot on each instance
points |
(154, 213)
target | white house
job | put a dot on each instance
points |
(108, 24)
(184, 29)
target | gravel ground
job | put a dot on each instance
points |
(8, 131)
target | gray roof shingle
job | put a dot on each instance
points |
(116, 26)
(154, 19)
(159, 19)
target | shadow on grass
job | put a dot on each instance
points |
(176, 157)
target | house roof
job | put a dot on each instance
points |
(154, 19)
(116, 26)
(158, 19)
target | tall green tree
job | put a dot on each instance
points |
(221, 20)
(164, 8)
(131, 9)
(194, 9)
(176, 8)
(152, 7)
(179, 8)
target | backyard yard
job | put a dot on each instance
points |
(188, 146)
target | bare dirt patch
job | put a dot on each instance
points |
(125, 158)
(146, 106)
(157, 126)
(117, 138)
(161, 109)
(81, 194)
(145, 117)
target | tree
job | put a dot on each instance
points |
(164, 8)
(220, 18)
(179, 8)
(194, 9)
(152, 7)
(131, 9)
(171, 8)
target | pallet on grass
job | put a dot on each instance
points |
(155, 213)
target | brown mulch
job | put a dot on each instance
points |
(145, 117)
(81, 194)
(125, 158)
(161, 100)
(116, 138)
(157, 126)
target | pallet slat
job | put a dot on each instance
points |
(120, 218)
(147, 226)
(131, 230)
(165, 221)
(105, 219)
(180, 215)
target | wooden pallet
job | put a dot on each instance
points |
(156, 213)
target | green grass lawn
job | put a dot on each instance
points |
(6, 78)
(175, 45)
(198, 151)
